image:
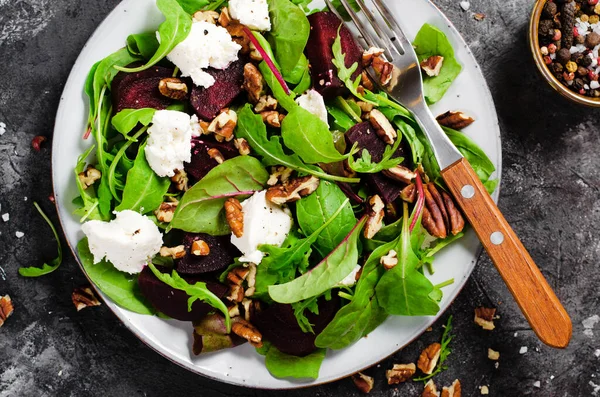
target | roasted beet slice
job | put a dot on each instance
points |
(208, 102)
(201, 162)
(279, 326)
(323, 32)
(365, 136)
(173, 302)
(210, 334)
(140, 90)
(222, 253)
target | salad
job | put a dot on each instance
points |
(248, 176)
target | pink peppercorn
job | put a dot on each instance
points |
(557, 35)
(568, 76)
(575, 31)
(582, 91)
(547, 60)
(551, 48)
(592, 76)
(592, 2)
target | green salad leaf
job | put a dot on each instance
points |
(300, 308)
(344, 73)
(282, 365)
(365, 165)
(444, 353)
(88, 201)
(127, 119)
(142, 44)
(191, 6)
(54, 263)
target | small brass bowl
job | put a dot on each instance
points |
(534, 45)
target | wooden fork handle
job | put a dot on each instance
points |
(546, 315)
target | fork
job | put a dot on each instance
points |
(538, 302)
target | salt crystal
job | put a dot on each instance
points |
(589, 324)
(537, 384)
(2, 128)
(523, 350)
(5, 217)
(19, 234)
(465, 5)
(25, 198)
(594, 85)
(516, 334)
(551, 377)
(597, 353)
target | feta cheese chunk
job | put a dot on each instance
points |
(169, 142)
(128, 242)
(350, 279)
(312, 101)
(264, 223)
(207, 45)
(252, 13)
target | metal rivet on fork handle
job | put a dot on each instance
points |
(497, 238)
(467, 191)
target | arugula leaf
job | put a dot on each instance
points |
(282, 365)
(144, 190)
(142, 44)
(316, 212)
(344, 73)
(251, 127)
(299, 312)
(444, 353)
(197, 291)
(408, 132)
(172, 31)
(337, 4)
(121, 287)
(432, 41)
(201, 208)
(325, 275)
(127, 119)
(111, 175)
(89, 201)
(54, 263)
(365, 165)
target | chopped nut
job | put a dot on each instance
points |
(453, 391)
(389, 260)
(251, 308)
(234, 311)
(292, 190)
(206, 16)
(366, 82)
(363, 382)
(237, 275)
(432, 65)
(253, 83)
(84, 297)
(236, 293)
(89, 176)
(388, 74)
(251, 279)
(457, 222)
(484, 389)
(435, 216)
(272, 118)
(493, 355)
(236, 30)
(204, 127)
(430, 390)
(376, 214)
(234, 216)
(400, 173)
(369, 54)
(265, 102)
(224, 17)
(242, 146)
(216, 155)
(454, 120)
(165, 212)
(6, 308)
(484, 317)
(383, 127)
(279, 174)
(409, 193)
(255, 55)
(200, 248)
(223, 125)
(36, 142)
(173, 88)
(400, 373)
(180, 179)
(365, 107)
(244, 329)
(429, 358)
(172, 252)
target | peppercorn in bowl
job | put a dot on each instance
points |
(564, 37)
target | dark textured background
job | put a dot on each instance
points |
(550, 194)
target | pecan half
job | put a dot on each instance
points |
(200, 248)
(433, 65)
(181, 180)
(223, 125)
(244, 329)
(366, 82)
(173, 252)
(6, 308)
(409, 193)
(400, 173)
(165, 212)
(236, 293)
(237, 275)
(242, 146)
(375, 219)
(89, 176)
(429, 358)
(265, 102)
(234, 216)
(382, 126)
(84, 297)
(400, 373)
(206, 16)
(173, 88)
(453, 391)
(389, 260)
(493, 355)
(292, 189)
(253, 83)
(440, 214)
(454, 120)
(457, 222)
(363, 382)
(484, 317)
(369, 54)
(430, 390)
(279, 174)
(388, 74)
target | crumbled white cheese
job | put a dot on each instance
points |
(170, 141)
(252, 13)
(207, 45)
(523, 350)
(465, 5)
(128, 242)
(6, 217)
(19, 234)
(350, 279)
(264, 223)
(312, 101)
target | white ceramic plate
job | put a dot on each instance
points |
(241, 365)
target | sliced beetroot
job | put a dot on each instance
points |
(323, 32)
(201, 162)
(208, 102)
(221, 255)
(210, 334)
(365, 136)
(279, 326)
(140, 90)
(173, 302)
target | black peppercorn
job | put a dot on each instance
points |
(577, 57)
(582, 71)
(563, 56)
(556, 67)
(578, 84)
(546, 30)
(579, 39)
(550, 10)
(568, 22)
(592, 40)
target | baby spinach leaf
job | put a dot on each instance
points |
(432, 41)
(197, 291)
(344, 73)
(172, 31)
(191, 6)
(127, 119)
(316, 211)
(142, 44)
(407, 130)
(299, 71)
(201, 208)
(251, 127)
(304, 84)
(282, 365)
(286, 101)
(309, 137)
(341, 121)
(144, 190)
(325, 275)
(54, 263)
(121, 287)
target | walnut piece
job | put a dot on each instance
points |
(242, 146)
(493, 355)
(165, 212)
(224, 18)
(200, 248)
(400, 173)
(409, 193)
(206, 16)
(236, 30)
(255, 55)
(272, 118)
(265, 102)
(237, 275)
(430, 390)
(172, 252)
(84, 297)
(375, 219)
(383, 127)
(244, 329)
(363, 382)
(216, 155)
(223, 125)
(455, 120)
(429, 358)
(234, 216)
(389, 260)
(253, 83)
(6, 308)
(279, 174)
(181, 180)
(484, 317)
(433, 65)
(292, 189)
(400, 373)
(369, 54)
(454, 390)
(89, 176)
(173, 88)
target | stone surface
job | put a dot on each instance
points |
(550, 194)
